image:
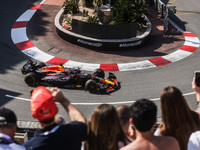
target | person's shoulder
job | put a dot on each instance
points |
(17, 146)
(129, 146)
(35, 140)
(195, 134)
(138, 144)
(29, 142)
(194, 141)
(74, 128)
(74, 124)
(168, 141)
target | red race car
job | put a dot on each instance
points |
(58, 75)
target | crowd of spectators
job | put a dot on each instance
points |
(109, 128)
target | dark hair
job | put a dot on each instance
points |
(105, 130)
(124, 113)
(8, 125)
(178, 120)
(8, 118)
(143, 114)
(47, 121)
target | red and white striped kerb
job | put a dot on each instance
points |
(20, 39)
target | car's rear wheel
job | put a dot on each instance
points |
(91, 86)
(99, 73)
(30, 79)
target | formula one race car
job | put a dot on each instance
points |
(58, 75)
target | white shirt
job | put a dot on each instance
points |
(157, 132)
(194, 141)
(11, 146)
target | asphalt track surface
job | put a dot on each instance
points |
(135, 84)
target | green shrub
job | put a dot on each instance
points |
(128, 11)
(141, 9)
(93, 19)
(70, 7)
(87, 3)
(85, 13)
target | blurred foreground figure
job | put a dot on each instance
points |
(54, 136)
(124, 113)
(143, 117)
(178, 120)
(105, 131)
(8, 127)
(194, 140)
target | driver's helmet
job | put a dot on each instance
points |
(61, 67)
(99, 73)
(67, 70)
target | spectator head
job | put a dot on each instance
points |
(143, 114)
(173, 104)
(43, 106)
(104, 128)
(178, 120)
(124, 113)
(8, 120)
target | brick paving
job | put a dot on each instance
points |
(41, 32)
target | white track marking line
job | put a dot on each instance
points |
(19, 98)
(89, 104)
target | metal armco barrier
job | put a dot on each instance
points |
(164, 10)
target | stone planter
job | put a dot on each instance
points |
(102, 43)
(118, 31)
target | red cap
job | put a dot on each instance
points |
(42, 104)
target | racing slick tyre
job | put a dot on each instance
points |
(91, 86)
(99, 73)
(30, 79)
(40, 64)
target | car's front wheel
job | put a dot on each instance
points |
(91, 86)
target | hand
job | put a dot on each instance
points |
(73, 112)
(196, 89)
(58, 95)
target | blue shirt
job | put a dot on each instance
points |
(55, 137)
(6, 143)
